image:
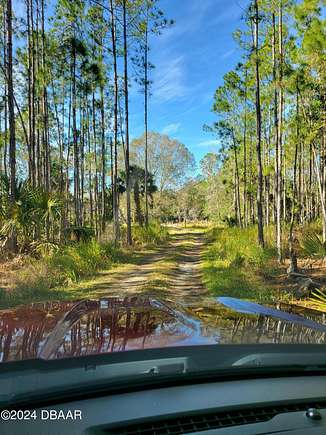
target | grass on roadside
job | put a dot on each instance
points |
(41, 278)
(58, 275)
(235, 265)
(153, 234)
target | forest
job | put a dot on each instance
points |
(76, 184)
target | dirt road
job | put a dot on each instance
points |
(171, 271)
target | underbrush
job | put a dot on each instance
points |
(49, 276)
(310, 240)
(152, 234)
(67, 265)
(235, 265)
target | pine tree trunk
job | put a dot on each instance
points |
(245, 214)
(103, 162)
(12, 127)
(46, 142)
(146, 116)
(90, 181)
(39, 149)
(125, 47)
(115, 129)
(280, 136)
(237, 183)
(320, 188)
(96, 195)
(112, 177)
(33, 92)
(66, 217)
(258, 123)
(292, 253)
(31, 166)
(5, 149)
(277, 184)
(75, 140)
(322, 174)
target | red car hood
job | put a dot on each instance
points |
(64, 329)
(55, 330)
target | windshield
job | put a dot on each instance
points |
(162, 192)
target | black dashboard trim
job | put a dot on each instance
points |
(161, 383)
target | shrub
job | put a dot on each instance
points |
(238, 261)
(230, 221)
(60, 266)
(79, 234)
(319, 299)
(43, 248)
(68, 264)
(235, 265)
(312, 244)
(115, 254)
(79, 260)
(36, 278)
(239, 247)
(154, 233)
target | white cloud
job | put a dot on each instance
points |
(227, 54)
(194, 14)
(208, 143)
(169, 80)
(171, 128)
(231, 11)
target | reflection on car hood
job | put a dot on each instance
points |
(252, 308)
(54, 330)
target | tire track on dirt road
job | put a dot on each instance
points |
(171, 271)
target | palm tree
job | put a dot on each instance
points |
(32, 217)
(137, 186)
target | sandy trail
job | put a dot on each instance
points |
(171, 271)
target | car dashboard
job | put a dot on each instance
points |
(291, 405)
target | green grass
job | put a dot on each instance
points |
(189, 229)
(235, 265)
(152, 234)
(63, 274)
(49, 277)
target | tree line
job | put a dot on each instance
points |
(66, 165)
(271, 168)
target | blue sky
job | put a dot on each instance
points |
(190, 60)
